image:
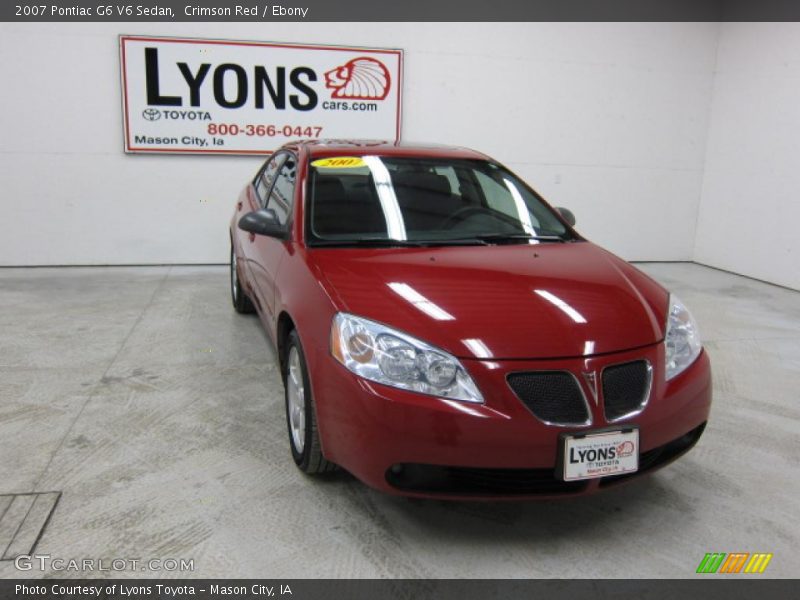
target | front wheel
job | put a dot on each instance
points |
(300, 416)
(241, 303)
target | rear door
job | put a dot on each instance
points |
(257, 196)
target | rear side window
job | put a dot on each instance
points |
(281, 198)
(266, 177)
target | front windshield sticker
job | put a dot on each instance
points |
(339, 162)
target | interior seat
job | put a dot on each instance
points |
(337, 212)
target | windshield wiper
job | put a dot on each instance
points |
(390, 243)
(484, 239)
(498, 238)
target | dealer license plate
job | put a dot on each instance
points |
(591, 455)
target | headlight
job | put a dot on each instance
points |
(379, 353)
(682, 340)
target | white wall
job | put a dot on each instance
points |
(607, 119)
(750, 209)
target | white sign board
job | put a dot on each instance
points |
(226, 97)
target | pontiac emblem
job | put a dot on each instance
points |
(590, 377)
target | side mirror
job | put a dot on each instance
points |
(567, 214)
(262, 222)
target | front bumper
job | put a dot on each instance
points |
(406, 443)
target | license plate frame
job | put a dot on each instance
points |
(624, 462)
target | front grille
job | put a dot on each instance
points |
(626, 388)
(435, 479)
(552, 396)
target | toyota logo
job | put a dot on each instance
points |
(151, 114)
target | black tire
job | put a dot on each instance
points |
(309, 457)
(241, 302)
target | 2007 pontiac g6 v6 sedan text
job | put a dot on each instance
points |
(442, 331)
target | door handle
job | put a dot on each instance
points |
(252, 236)
(239, 205)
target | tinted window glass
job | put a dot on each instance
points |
(499, 197)
(267, 176)
(280, 200)
(415, 199)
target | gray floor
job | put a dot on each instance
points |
(157, 411)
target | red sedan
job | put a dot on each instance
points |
(442, 331)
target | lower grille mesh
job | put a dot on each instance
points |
(552, 396)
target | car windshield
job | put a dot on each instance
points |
(410, 201)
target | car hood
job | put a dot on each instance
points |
(548, 300)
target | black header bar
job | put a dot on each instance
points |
(708, 587)
(400, 11)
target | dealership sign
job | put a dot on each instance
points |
(226, 97)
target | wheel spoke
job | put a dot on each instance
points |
(296, 406)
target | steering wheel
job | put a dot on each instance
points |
(462, 214)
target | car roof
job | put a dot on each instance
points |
(324, 148)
